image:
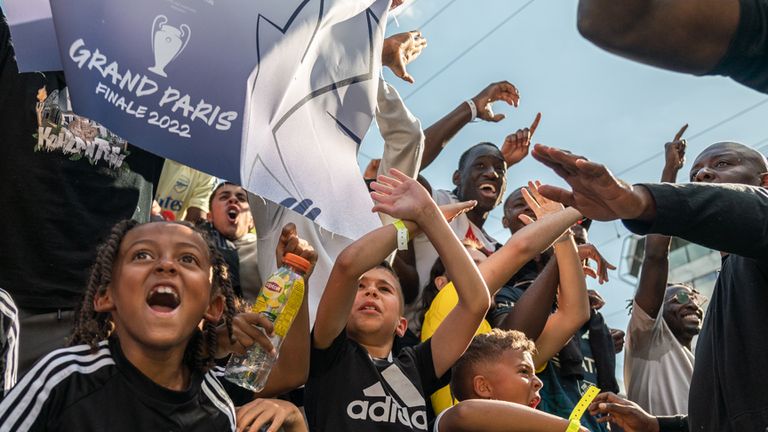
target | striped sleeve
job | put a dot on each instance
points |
(9, 341)
(26, 407)
(213, 389)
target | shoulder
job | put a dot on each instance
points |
(55, 371)
(215, 393)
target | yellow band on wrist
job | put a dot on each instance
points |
(402, 235)
(573, 426)
(583, 404)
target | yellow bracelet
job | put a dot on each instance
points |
(581, 407)
(573, 426)
(402, 235)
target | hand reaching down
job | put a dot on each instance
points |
(401, 49)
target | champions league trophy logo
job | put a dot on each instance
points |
(167, 43)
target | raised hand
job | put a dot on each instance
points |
(516, 145)
(372, 169)
(453, 210)
(540, 205)
(401, 49)
(596, 193)
(674, 155)
(500, 91)
(626, 414)
(275, 413)
(590, 252)
(290, 242)
(401, 197)
(596, 301)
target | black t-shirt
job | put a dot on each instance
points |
(349, 391)
(746, 60)
(72, 389)
(59, 198)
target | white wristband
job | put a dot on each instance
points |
(472, 108)
(402, 235)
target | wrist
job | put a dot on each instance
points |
(471, 104)
(645, 209)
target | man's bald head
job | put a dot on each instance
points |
(729, 162)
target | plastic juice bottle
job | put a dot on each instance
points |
(279, 300)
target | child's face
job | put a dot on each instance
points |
(230, 212)
(513, 379)
(161, 287)
(376, 310)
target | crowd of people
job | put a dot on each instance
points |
(126, 284)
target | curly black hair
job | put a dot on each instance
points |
(91, 327)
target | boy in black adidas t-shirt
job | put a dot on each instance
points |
(355, 382)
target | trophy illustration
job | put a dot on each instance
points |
(167, 43)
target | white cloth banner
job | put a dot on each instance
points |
(273, 95)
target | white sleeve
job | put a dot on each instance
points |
(436, 427)
(401, 130)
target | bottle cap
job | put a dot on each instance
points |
(296, 262)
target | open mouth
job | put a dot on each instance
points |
(163, 298)
(232, 213)
(369, 307)
(488, 190)
(534, 402)
(692, 318)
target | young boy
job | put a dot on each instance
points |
(496, 382)
(355, 382)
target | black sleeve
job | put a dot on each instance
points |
(673, 424)
(746, 60)
(322, 360)
(729, 218)
(505, 300)
(421, 356)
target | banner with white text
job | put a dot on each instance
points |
(273, 95)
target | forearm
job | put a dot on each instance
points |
(653, 274)
(436, 137)
(524, 245)
(498, 416)
(403, 137)
(683, 35)
(572, 300)
(725, 217)
(470, 287)
(531, 312)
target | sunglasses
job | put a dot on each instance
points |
(684, 297)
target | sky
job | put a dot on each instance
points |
(593, 103)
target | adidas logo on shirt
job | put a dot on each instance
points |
(406, 407)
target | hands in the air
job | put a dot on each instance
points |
(596, 193)
(516, 145)
(500, 91)
(401, 49)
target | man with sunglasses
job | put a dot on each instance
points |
(723, 208)
(658, 364)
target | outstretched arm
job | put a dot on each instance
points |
(499, 416)
(438, 135)
(597, 194)
(653, 274)
(572, 303)
(682, 35)
(403, 197)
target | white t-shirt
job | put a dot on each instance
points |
(657, 368)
